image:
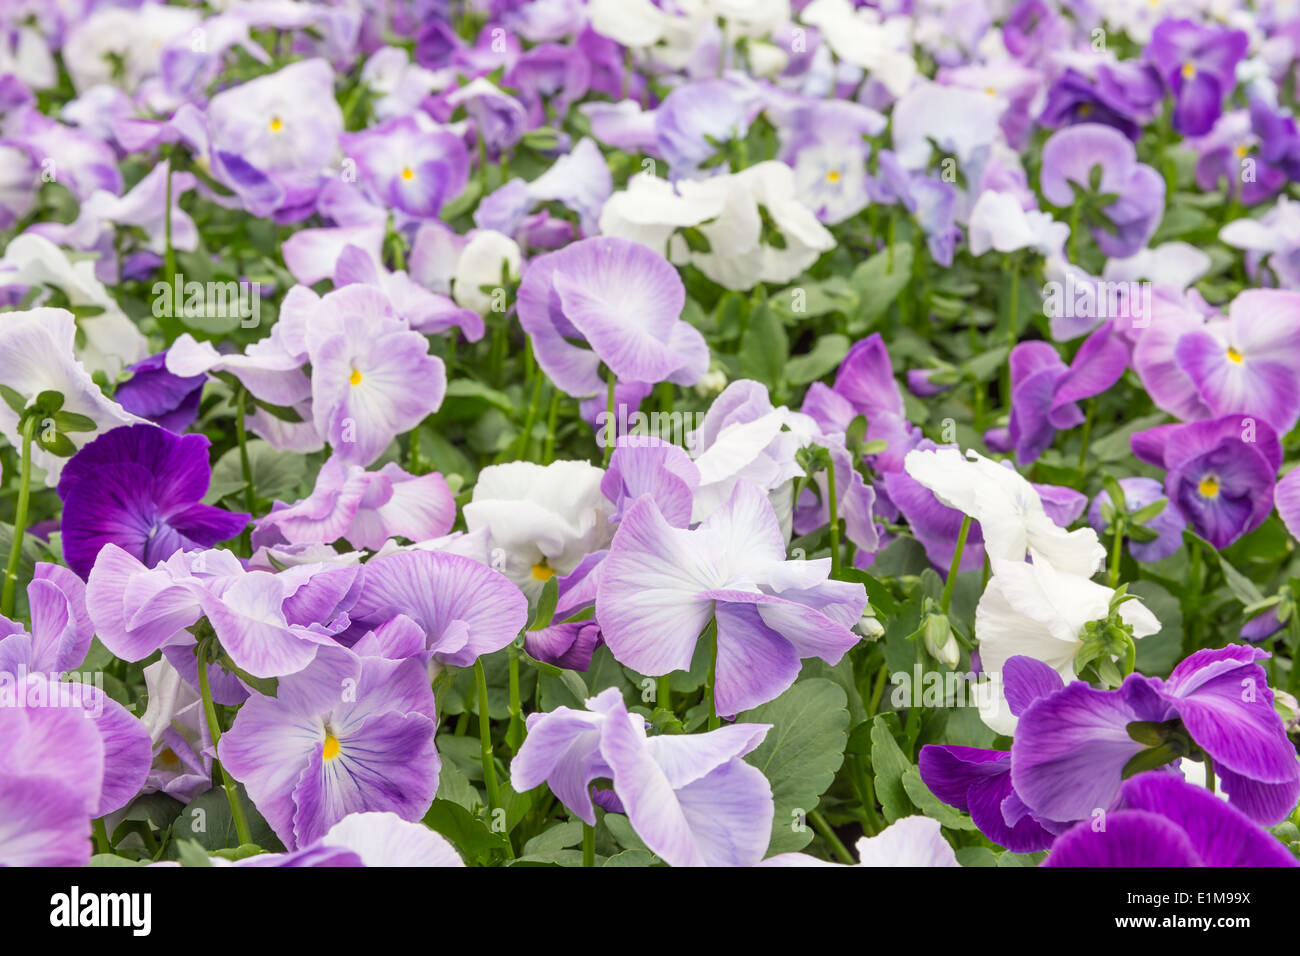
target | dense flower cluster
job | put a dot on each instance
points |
(602, 432)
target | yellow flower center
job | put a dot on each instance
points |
(276, 124)
(1085, 109)
(542, 571)
(833, 176)
(990, 91)
(1242, 150)
(1209, 487)
(408, 173)
(331, 748)
(1189, 70)
(168, 757)
(355, 377)
(1234, 355)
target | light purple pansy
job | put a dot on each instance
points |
(1070, 156)
(660, 587)
(624, 302)
(364, 507)
(407, 167)
(316, 752)
(372, 376)
(690, 797)
(464, 609)
(51, 773)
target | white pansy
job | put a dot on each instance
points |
(487, 258)
(1009, 511)
(543, 520)
(36, 355)
(1035, 610)
(109, 340)
(999, 222)
(1176, 264)
(958, 120)
(860, 38)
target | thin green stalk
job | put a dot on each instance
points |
(712, 634)
(951, 583)
(514, 737)
(485, 737)
(834, 505)
(588, 845)
(20, 520)
(611, 423)
(214, 730)
(241, 433)
(102, 844)
(1116, 553)
(526, 436)
(664, 693)
(552, 416)
(824, 830)
(1087, 434)
(1209, 774)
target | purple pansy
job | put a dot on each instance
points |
(1168, 524)
(463, 609)
(140, 487)
(1072, 746)
(152, 392)
(1045, 392)
(1219, 472)
(1198, 63)
(1163, 821)
(372, 377)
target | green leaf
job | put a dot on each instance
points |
(13, 399)
(470, 835)
(931, 805)
(206, 820)
(632, 858)
(826, 355)
(764, 348)
(74, 422)
(878, 286)
(559, 837)
(889, 763)
(276, 474)
(800, 754)
(546, 602)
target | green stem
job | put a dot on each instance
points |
(1209, 774)
(552, 416)
(245, 466)
(712, 631)
(214, 730)
(611, 423)
(956, 564)
(824, 830)
(1116, 553)
(526, 436)
(516, 706)
(102, 844)
(588, 845)
(20, 520)
(835, 520)
(485, 738)
(664, 693)
(1087, 434)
